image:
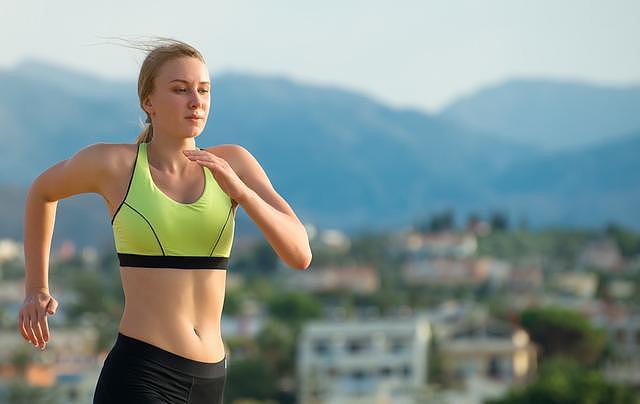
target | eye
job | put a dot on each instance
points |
(180, 89)
(205, 90)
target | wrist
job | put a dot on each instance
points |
(246, 196)
(34, 289)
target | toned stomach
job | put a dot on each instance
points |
(177, 310)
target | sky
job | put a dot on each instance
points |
(405, 53)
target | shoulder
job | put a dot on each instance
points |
(113, 161)
(238, 157)
(113, 157)
(102, 155)
(90, 169)
(228, 150)
(109, 150)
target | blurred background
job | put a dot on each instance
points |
(468, 173)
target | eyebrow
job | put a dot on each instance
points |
(185, 81)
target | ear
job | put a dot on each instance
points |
(148, 107)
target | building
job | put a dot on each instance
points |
(444, 271)
(381, 360)
(361, 279)
(500, 353)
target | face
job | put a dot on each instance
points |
(181, 89)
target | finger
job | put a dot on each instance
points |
(44, 325)
(21, 326)
(30, 333)
(38, 330)
(206, 162)
(209, 163)
(40, 341)
(202, 154)
(53, 306)
(197, 156)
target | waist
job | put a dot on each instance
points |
(131, 346)
(195, 341)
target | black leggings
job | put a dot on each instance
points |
(135, 371)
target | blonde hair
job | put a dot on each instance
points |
(159, 51)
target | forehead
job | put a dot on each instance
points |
(186, 68)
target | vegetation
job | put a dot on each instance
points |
(564, 381)
(262, 368)
(562, 332)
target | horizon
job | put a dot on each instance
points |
(421, 53)
(303, 82)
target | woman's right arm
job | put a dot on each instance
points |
(84, 172)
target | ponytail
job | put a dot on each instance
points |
(146, 134)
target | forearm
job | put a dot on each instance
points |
(286, 234)
(38, 230)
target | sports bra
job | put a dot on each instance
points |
(150, 229)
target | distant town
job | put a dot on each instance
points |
(480, 313)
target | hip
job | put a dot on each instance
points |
(140, 372)
(200, 341)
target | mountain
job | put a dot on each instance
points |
(550, 114)
(575, 187)
(339, 158)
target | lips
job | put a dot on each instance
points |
(194, 117)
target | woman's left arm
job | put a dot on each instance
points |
(255, 193)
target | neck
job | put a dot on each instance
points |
(166, 154)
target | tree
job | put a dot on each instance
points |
(436, 373)
(21, 358)
(499, 221)
(294, 308)
(277, 345)
(564, 333)
(21, 392)
(442, 221)
(566, 381)
(249, 378)
(627, 241)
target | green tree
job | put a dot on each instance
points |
(499, 221)
(564, 333)
(442, 221)
(21, 392)
(294, 308)
(21, 358)
(232, 302)
(249, 378)
(260, 260)
(436, 373)
(627, 241)
(565, 381)
(277, 346)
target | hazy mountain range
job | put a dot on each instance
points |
(552, 114)
(557, 153)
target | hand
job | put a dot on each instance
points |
(32, 318)
(224, 174)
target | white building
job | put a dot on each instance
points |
(363, 361)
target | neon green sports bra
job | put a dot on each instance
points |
(151, 229)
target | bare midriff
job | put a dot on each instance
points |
(178, 310)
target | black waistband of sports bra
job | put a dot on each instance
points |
(172, 261)
(136, 347)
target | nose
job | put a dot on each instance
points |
(197, 100)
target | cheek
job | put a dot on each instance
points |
(167, 103)
(174, 105)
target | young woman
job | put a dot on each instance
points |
(172, 208)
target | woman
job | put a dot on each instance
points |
(172, 208)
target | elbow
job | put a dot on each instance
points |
(300, 256)
(304, 263)
(307, 261)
